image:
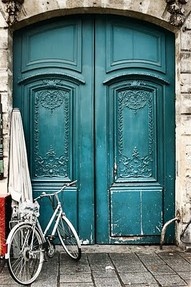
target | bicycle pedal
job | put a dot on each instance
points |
(51, 237)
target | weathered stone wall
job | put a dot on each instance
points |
(152, 11)
(183, 124)
(5, 90)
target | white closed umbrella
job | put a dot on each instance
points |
(19, 186)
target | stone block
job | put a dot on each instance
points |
(105, 282)
(185, 80)
(185, 66)
(185, 107)
(187, 23)
(3, 38)
(137, 278)
(170, 280)
(187, 212)
(3, 59)
(185, 41)
(4, 80)
(186, 125)
(2, 19)
(76, 278)
(73, 285)
(188, 183)
(188, 155)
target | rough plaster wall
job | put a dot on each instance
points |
(183, 124)
(153, 11)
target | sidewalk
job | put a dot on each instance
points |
(113, 266)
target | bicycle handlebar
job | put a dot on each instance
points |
(44, 194)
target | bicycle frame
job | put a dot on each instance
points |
(57, 213)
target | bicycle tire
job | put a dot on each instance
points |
(24, 266)
(69, 238)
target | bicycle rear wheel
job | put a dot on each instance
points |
(69, 238)
(25, 254)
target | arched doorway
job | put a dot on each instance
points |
(97, 98)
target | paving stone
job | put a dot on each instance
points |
(127, 263)
(99, 259)
(99, 267)
(76, 278)
(188, 282)
(66, 259)
(67, 265)
(99, 262)
(142, 285)
(176, 262)
(137, 278)
(5, 277)
(50, 268)
(157, 269)
(180, 266)
(77, 285)
(8, 281)
(49, 274)
(150, 258)
(169, 255)
(131, 268)
(185, 276)
(169, 280)
(126, 257)
(104, 274)
(44, 283)
(74, 267)
(107, 282)
(186, 256)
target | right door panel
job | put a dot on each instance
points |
(134, 124)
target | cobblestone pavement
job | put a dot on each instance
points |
(113, 266)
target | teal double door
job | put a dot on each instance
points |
(96, 94)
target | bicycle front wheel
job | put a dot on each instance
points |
(25, 254)
(69, 238)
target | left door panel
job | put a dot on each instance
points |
(53, 88)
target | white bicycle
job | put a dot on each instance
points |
(27, 243)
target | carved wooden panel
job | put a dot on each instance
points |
(135, 130)
(52, 132)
